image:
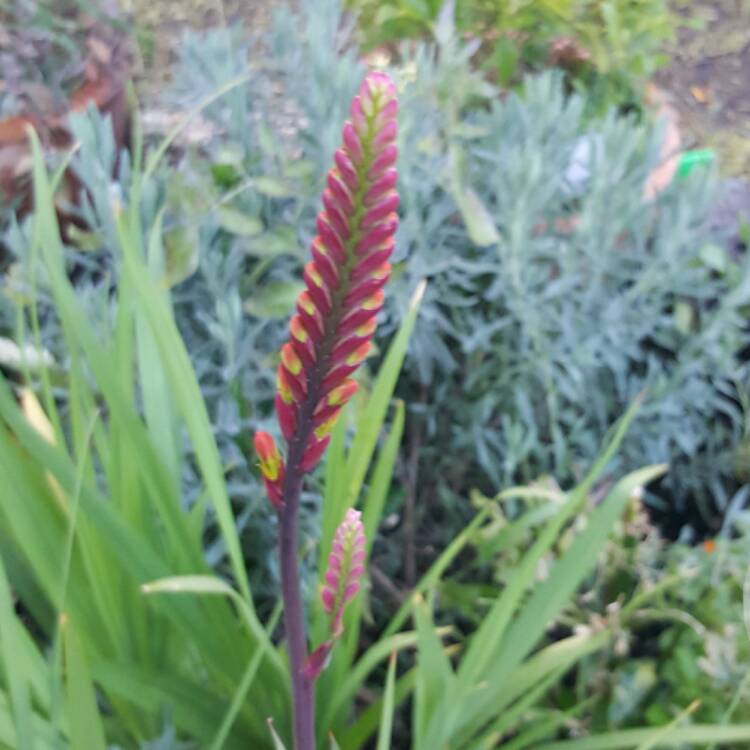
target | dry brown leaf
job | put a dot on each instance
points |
(700, 94)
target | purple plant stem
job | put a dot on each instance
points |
(294, 616)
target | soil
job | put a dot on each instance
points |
(160, 23)
(707, 82)
(708, 79)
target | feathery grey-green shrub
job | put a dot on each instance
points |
(550, 334)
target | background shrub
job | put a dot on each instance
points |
(607, 50)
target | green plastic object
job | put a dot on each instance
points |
(692, 159)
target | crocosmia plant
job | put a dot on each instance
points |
(330, 337)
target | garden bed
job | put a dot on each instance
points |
(561, 350)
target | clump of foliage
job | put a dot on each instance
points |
(678, 645)
(608, 50)
(686, 651)
(562, 293)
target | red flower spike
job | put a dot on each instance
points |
(337, 217)
(310, 315)
(374, 281)
(335, 319)
(367, 311)
(283, 386)
(358, 356)
(347, 347)
(324, 422)
(354, 340)
(377, 235)
(292, 363)
(325, 265)
(290, 387)
(317, 289)
(303, 345)
(342, 393)
(331, 240)
(337, 376)
(325, 416)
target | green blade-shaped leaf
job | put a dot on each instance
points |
(389, 696)
(435, 680)
(698, 734)
(187, 394)
(86, 729)
(13, 666)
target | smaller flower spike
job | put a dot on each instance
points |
(271, 466)
(346, 565)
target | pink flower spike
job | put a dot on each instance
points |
(345, 568)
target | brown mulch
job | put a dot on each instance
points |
(160, 23)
